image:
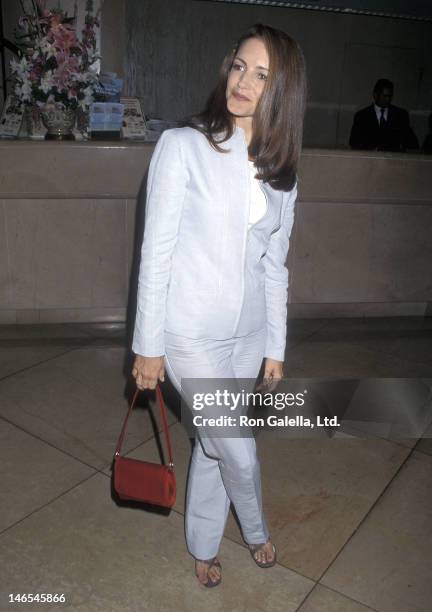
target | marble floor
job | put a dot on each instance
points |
(351, 515)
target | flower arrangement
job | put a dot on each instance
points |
(54, 66)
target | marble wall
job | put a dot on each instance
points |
(67, 230)
(70, 232)
(360, 244)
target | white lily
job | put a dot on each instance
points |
(21, 68)
(48, 48)
(88, 99)
(14, 65)
(23, 91)
(47, 82)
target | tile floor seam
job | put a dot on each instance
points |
(423, 452)
(86, 385)
(411, 451)
(413, 447)
(22, 519)
(306, 597)
(338, 593)
(33, 435)
(34, 365)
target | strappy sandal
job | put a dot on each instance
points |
(254, 548)
(210, 562)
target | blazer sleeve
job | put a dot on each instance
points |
(276, 282)
(165, 194)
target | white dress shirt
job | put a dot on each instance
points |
(378, 112)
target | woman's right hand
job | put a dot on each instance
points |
(147, 371)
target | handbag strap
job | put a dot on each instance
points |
(164, 423)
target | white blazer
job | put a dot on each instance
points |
(199, 262)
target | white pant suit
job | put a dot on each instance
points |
(212, 298)
(223, 470)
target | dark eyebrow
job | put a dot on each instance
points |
(239, 58)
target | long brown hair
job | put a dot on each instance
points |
(277, 124)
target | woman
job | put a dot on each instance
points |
(212, 291)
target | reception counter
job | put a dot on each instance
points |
(70, 232)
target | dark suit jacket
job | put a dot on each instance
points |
(395, 135)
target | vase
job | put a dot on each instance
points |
(59, 122)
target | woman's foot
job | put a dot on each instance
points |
(264, 555)
(208, 572)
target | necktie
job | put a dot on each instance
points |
(382, 120)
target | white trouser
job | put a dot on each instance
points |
(222, 469)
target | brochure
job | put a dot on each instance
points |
(12, 117)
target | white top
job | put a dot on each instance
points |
(258, 203)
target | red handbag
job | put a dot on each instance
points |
(144, 481)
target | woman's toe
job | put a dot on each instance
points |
(270, 553)
(205, 573)
(201, 573)
(214, 574)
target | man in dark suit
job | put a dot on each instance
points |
(382, 126)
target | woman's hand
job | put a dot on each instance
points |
(273, 372)
(147, 371)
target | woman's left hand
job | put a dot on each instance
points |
(273, 372)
